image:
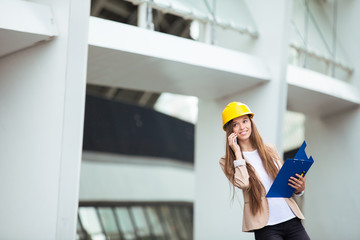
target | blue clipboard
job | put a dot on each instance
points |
(300, 164)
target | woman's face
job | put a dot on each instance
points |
(242, 127)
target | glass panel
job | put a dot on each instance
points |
(180, 222)
(186, 221)
(125, 223)
(311, 25)
(78, 227)
(322, 27)
(109, 223)
(80, 234)
(189, 219)
(314, 44)
(341, 73)
(142, 228)
(188, 213)
(155, 225)
(168, 222)
(161, 222)
(91, 223)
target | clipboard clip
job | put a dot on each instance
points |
(302, 174)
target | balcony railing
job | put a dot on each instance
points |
(194, 19)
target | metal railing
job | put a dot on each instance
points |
(188, 13)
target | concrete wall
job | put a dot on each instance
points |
(42, 93)
(113, 177)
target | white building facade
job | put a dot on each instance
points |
(299, 56)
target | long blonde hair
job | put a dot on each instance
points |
(255, 185)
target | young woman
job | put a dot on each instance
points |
(252, 166)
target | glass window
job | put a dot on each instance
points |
(187, 218)
(80, 233)
(188, 212)
(162, 221)
(125, 223)
(314, 42)
(108, 220)
(168, 222)
(180, 222)
(90, 222)
(141, 225)
(155, 224)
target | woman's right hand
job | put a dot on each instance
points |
(232, 139)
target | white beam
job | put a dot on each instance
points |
(24, 24)
(318, 95)
(130, 57)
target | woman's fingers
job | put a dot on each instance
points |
(298, 183)
(232, 139)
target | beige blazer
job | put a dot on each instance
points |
(252, 222)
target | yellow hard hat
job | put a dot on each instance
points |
(234, 110)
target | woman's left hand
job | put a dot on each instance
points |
(298, 183)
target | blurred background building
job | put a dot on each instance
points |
(111, 113)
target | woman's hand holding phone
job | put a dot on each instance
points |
(233, 143)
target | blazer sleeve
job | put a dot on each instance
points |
(241, 177)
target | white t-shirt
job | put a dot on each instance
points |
(279, 210)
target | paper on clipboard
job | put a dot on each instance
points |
(300, 164)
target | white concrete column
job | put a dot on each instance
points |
(332, 198)
(269, 101)
(215, 216)
(42, 92)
